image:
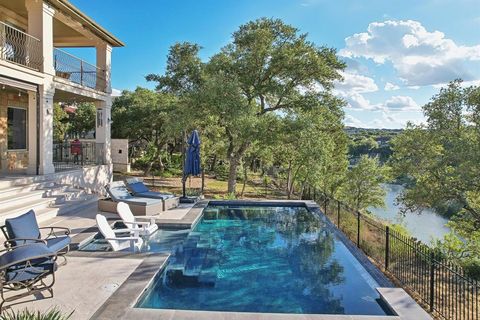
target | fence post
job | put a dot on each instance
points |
(432, 279)
(338, 214)
(387, 247)
(358, 229)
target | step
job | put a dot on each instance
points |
(16, 210)
(7, 192)
(20, 198)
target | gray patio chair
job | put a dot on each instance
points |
(118, 192)
(25, 229)
(26, 267)
(139, 189)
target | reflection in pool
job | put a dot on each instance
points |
(261, 259)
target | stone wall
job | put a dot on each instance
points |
(11, 161)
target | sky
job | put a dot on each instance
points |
(398, 53)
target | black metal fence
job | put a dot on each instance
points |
(442, 286)
(73, 155)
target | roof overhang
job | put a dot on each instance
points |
(68, 8)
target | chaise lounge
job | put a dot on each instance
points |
(139, 189)
(140, 206)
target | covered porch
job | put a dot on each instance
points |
(27, 146)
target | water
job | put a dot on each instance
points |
(425, 226)
(260, 259)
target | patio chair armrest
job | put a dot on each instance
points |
(131, 223)
(123, 238)
(53, 232)
(127, 230)
(151, 218)
(142, 222)
(11, 244)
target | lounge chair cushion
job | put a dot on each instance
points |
(23, 253)
(155, 195)
(142, 201)
(24, 226)
(118, 191)
(58, 243)
(138, 187)
(38, 269)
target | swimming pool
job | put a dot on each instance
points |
(260, 259)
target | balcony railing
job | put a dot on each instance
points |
(71, 155)
(69, 67)
(19, 47)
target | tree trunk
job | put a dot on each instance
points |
(214, 162)
(289, 180)
(232, 174)
(245, 177)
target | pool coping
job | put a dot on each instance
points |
(121, 304)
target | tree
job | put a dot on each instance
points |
(442, 160)
(60, 123)
(362, 187)
(83, 120)
(269, 67)
(147, 116)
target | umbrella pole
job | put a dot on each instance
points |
(184, 178)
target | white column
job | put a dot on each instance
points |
(40, 25)
(102, 131)
(46, 131)
(32, 132)
(104, 63)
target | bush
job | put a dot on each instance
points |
(25, 314)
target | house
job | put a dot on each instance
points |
(35, 73)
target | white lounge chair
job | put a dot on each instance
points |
(132, 241)
(147, 227)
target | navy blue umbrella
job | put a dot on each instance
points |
(192, 161)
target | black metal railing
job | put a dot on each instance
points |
(19, 47)
(74, 69)
(73, 155)
(442, 286)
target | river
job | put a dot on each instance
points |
(425, 226)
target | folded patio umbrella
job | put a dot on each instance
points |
(192, 159)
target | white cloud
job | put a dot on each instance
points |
(420, 57)
(401, 103)
(391, 87)
(356, 83)
(351, 89)
(116, 92)
(351, 121)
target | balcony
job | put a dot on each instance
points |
(23, 49)
(76, 70)
(19, 47)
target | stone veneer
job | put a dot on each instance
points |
(11, 161)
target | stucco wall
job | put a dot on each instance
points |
(93, 179)
(120, 159)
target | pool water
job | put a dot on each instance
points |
(260, 259)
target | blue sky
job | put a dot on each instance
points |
(398, 52)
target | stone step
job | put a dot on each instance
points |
(21, 198)
(14, 190)
(15, 210)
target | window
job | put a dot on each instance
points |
(17, 128)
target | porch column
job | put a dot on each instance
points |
(102, 131)
(46, 131)
(40, 25)
(104, 63)
(32, 132)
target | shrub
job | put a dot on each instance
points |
(25, 314)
